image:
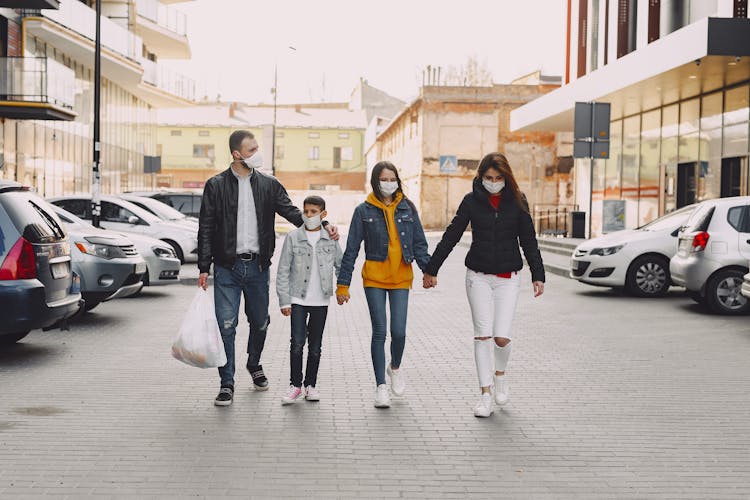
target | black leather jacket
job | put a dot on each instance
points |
(217, 229)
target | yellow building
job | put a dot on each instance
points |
(316, 146)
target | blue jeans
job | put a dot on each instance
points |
(399, 302)
(244, 278)
(308, 322)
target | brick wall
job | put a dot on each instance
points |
(14, 39)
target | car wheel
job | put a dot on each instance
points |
(697, 297)
(648, 276)
(12, 338)
(177, 250)
(723, 293)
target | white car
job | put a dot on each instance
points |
(162, 265)
(123, 217)
(162, 210)
(636, 259)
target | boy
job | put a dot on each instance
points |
(304, 284)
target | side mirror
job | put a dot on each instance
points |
(133, 220)
(675, 232)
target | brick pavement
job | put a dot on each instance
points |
(611, 397)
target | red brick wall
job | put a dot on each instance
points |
(14, 39)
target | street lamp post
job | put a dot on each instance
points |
(96, 208)
(275, 101)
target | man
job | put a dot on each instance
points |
(236, 232)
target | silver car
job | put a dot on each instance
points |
(713, 253)
(162, 265)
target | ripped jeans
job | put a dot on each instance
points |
(245, 278)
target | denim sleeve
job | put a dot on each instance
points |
(284, 272)
(421, 254)
(353, 244)
(337, 258)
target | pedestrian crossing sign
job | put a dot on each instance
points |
(448, 164)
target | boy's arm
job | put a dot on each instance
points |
(337, 259)
(282, 275)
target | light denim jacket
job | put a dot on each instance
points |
(295, 262)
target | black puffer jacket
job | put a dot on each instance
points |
(495, 236)
(217, 228)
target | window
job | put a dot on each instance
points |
(314, 153)
(313, 135)
(79, 208)
(347, 154)
(344, 135)
(116, 213)
(738, 218)
(279, 153)
(175, 133)
(203, 151)
(279, 135)
(627, 16)
(203, 133)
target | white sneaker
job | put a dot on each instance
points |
(311, 393)
(501, 389)
(382, 398)
(484, 406)
(398, 385)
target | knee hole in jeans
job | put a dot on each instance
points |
(501, 341)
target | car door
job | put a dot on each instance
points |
(743, 228)
(119, 218)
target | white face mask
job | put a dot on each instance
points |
(388, 188)
(254, 161)
(312, 223)
(493, 187)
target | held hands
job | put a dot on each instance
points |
(538, 288)
(203, 280)
(341, 299)
(286, 311)
(429, 281)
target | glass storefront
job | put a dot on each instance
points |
(684, 153)
(56, 157)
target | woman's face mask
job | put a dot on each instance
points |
(493, 187)
(388, 188)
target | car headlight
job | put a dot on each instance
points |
(606, 251)
(99, 250)
(163, 252)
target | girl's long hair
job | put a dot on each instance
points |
(500, 163)
(375, 178)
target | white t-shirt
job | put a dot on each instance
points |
(314, 295)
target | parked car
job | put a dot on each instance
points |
(713, 254)
(37, 286)
(746, 286)
(123, 217)
(636, 259)
(161, 210)
(162, 264)
(187, 202)
(108, 263)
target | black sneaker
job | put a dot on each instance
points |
(225, 396)
(259, 378)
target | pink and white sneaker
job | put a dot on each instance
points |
(311, 393)
(292, 395)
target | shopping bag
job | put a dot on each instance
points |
(198, 341)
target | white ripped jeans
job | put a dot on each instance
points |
(492, 300)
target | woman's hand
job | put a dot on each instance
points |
(429, 281)
(538, 288)
(340, 298)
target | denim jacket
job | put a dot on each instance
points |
(294, 265)
(368, 225)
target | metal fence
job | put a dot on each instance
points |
(553, 220)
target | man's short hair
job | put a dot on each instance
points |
(316, 201)
(235, 140)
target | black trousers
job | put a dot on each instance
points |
(308, 322)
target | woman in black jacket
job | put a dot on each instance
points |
(500, 220)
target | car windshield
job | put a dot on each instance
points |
(670, 221)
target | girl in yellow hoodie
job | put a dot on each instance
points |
(389, 225)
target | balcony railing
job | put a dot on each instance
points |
(165, 16)
(81, 19)
(168, 80)
(36, 79)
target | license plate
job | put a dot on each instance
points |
(60, 270)
(140, 268)
(574, 265)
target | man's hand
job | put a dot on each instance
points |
(538, 288)
(429, 281)
(342, 298)
(203, 280)
(286, 311)
(333, 232)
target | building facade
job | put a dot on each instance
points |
(676, 75)
(438, 140)
(47, 89)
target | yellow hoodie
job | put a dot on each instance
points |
(393, 273)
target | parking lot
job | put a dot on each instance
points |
(611, 397)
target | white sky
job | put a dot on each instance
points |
(235, 44)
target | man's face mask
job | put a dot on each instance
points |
(254, 161)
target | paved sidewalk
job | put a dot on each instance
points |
(611, 397)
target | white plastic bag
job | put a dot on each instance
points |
(199, 342)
